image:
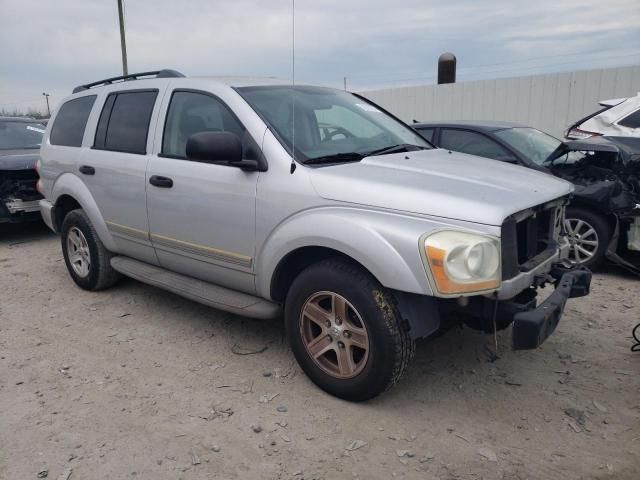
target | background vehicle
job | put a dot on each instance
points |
(604, 217)
(619, 117)
(20, 140)
(347, 220)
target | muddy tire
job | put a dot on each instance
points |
(589, 235)
(345, 331)
(86, 257)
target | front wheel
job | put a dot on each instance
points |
(345, 331)
(589, 235)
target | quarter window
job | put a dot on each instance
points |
(71, 120)
(124, 121)
(473, 143)
(427, 133)
(631, 121)
(193, 112)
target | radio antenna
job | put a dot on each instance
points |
(293, 84)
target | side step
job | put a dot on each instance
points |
(197, 290)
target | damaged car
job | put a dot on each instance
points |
(603, 220)
(20, 140)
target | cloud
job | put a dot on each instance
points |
(54, 45)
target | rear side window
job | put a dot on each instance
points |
(631, 121)
(124, 121)
(71, 120)
(427, 133)
(473, 143)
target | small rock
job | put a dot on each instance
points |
(576, 414)
(266, 374)
(488, 454)
(256, 428)
(599, 406)
(43, 473)
(282, 409)
(215, 448)
(285, 438)
(355, 445)
(66, 474)
(405, 453)
(297, 473)
(427, 458)
(194, 459)
(268, 398)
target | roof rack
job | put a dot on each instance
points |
(132, 76)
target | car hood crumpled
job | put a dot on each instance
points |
(19, 159)
(439, 183)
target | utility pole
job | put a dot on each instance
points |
(123, 43)
(46, 97)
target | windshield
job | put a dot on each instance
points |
(20, 135)
(533, 144)
(329, 124)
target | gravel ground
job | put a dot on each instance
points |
(135, 382)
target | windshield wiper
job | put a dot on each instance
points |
(403, 147)
(335, 158)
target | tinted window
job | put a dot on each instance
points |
(124, 122)
(631, 121)
(191, 112)
(71, 120)
(427, 133)
(473, 143)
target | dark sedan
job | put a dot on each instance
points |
(19, 151)
(603, 220)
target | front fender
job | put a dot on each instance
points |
(386, 244)
(69, 184)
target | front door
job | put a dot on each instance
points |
(201, 216)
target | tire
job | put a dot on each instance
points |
(371, 318)
(96, 273)
(585, 226)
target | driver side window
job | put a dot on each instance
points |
(473, 143)
(192, 112)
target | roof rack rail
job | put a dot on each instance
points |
(166, 73)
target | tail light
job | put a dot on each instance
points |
(577, 134)
(38, 166)
(39, 186)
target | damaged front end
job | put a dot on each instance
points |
(606, 175)
(18, 194)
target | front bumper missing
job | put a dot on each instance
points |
(17, 205)
(532, 327)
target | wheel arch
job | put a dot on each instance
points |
(69, 193)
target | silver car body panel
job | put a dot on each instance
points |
(233, 228)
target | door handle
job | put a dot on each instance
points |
(162, 182)
(87, 170)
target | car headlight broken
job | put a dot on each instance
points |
(462, 262)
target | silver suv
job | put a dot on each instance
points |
(266, 199)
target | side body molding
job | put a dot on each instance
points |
(70, 184)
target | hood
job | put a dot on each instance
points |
(19, 159)
(439, 183)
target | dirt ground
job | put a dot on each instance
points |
(134, 382)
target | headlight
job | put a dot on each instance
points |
(463, 262)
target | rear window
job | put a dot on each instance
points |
(631, 121)
(20, 135)
(71, 120)
(124, 121)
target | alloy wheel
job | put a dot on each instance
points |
(334, 335)
(78, 252)
(583, 240)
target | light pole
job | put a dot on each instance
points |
(123, 44)
(46, 97)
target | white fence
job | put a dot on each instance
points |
(548, 102)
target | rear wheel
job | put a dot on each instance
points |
(86, 257)
(346, 331)
(589, 235)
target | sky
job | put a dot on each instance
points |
(53, 45)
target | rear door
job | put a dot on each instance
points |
(116, 167)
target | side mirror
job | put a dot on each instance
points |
(214, 147)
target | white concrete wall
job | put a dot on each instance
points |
(548, 102)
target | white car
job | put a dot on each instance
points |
(619, 117)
